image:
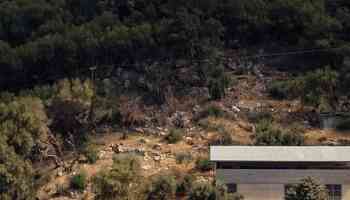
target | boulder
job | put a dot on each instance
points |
(157, 158)
(179, 119)
(189, 140)
(157, 147)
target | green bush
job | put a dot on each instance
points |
(307, 189)
(218, 82)
(214, 111)
(16, 175)
(206, 191)
(45, 93)
(255, 116)
(79, 181)
(223, 138)
(204, 164)
(202, 191)
(267, 133)
(162, 187)
(183, 157)
(211, 110)
(184, 185)
(24, 124)
(91, 153)
(121, 181)
(174, 136)
(279, 89)
(343, 125)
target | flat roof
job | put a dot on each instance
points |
(280, 153)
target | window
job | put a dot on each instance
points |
(231, 187)
(334, 192)
(287, 188)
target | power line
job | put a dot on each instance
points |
(304, 51)
(209, 61)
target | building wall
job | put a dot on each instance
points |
(346, 192)
(276, 176)
(273, 191)
(269, 184)
(261, 191)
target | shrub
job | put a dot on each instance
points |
(308, 189)
(268, 133)
(206, 191)
(210, 111)
(107, 111)
(343, 125)
(255, 117)
(79, 181)
(121, 181)
(185, 184)
(223, 138)
(279, 89)
(131, 113)
(218, 82)
(223, 194)
(162, 187)
(91, 153)
(202, 191)
(45, 93)
(183, 158)
(214, 111)
(174, 136)
(204, 164)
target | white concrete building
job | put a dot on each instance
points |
(264, 172)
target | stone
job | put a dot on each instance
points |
(246, 127)
(140, 130)
(189, 140)
(157, 158)
(60, 172)
(140, 151)
(196, 109)
(146, 167)
(179, 119)
(146, 158)
(236, 109)
(330, 142)
(102, 154)
(157, 147)
(144, 141)
(162, 133)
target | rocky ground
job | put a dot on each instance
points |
(248, 96)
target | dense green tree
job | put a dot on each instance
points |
(23, 124)
(51, 40)
(16, 175)
(70, 110)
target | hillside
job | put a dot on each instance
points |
(243, 101)
(121, 99)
